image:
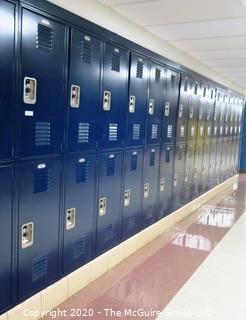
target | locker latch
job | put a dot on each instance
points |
(132, 104)
(175, 180)
(181, 111)
(186, 176)
(70, 218)
(162, 184)
(106, 100)
(195, 173)
(127, 195)
(200, 113)
(146, 190)
(167, 109)
(191, 112)
(151, 106)
(203, 170)
(75, 96)
(102, 206)
(27, 231)
(30, 90)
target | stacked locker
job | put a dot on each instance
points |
(168, 143)
(227, 146)
(191, 140)
(80, 161)
(180, 147)
(7, 79)
(41, 109)
(222, 137)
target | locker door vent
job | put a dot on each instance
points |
(157, 75)
(81, 172)
(86, 50)
(113, 132)
(115, 63)
(152, 159)
(136, 131)
(79, 248)
(108, 233)
(140, 69)
(169, 131)
(182, 131)
(131, 223)
(42, 133)
(154, 131)
(111, 166)
(134, 162)
(44, 38)
(83, 132)
(39, 268)
(41, 180)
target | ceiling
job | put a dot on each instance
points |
(212, 31)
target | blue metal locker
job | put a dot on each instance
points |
(132, 193)
(171, 107)
(209, 114)
(193, 111)
(114, 100)
(109, 200)
(165, 181)
(218, 160)
(42, 99)
(205, 165)
(202, 107)
(38, 215)
(197, 173)
(188, 174)
(80, 182)
(212, 164)
(138, 100)
(7, 29)
(156, 101)
(5, 236)
(178, 178)
(84, 94)
(150, 185)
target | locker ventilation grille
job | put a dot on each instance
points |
(115, 64)
(83, 132)
(169, 131)
(79, 248)
(44, 38)
(39, 268)
(182, 131)
(134, 162)
(154, 131)
(86, 51)
(152, 159)
(111, 167)
(139, 70)
(41, 180)
(42, 133)
(108, 233)
(113, 132)
(136, 131)
(81, 172)
(131, 223)
(157, 75)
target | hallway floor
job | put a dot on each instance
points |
(196, 270)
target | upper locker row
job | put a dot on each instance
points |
(129, 101)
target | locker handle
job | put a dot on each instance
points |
(70, 218)
(132, 104)
(127, 196)
(151, 106)
(106, 100)
(102, 206)
(27, 235)
(75, 96)
(181, 111)
(162, 184)
(167, 109)
(146, 190)
(30, 90)
(186, 175)
(175, 180)
(191, 112)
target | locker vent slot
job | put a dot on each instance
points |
(79, 248)
(154, 131)
(113, 132)
(182, 131)
(167, 155)
(136, 131)
(134, 162)
(83, 132)
(39, 268)
(115, 63)
(44, 38)
(157, 75)
(139, 69)
(42, 133)
(41, 180)
(108, 233)
(169, 131)
(131, 223)
(81, 172)
(111, 166)
(172, 81)
(152, 159)
(86, 50)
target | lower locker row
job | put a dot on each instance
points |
(155, 182)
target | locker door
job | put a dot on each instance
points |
(188, 174)
(150, 185)
(109, 200)
(137, 105)
(114, 100)
(155, 103)
(171, 106)
(205, 165)
(218, 160)
(182, 117)
(7, 12)
(132, 205)
(209, 113)
(197, 173)
(38, 213)
(84, 85)
(5, 236)
(178, 178)
(212, 163)
(202, 107)
(42, 100)
(193, 111)
(79, 210)
(165, 181)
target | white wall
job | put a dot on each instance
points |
(111, 20)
